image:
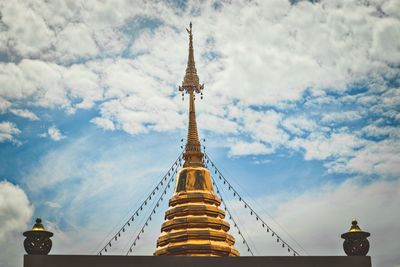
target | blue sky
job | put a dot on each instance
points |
(300, 111)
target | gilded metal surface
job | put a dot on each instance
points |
(194, 223)
(193, 155)
(354, 227)
(38, 226)
(190, 85)
(191, 79)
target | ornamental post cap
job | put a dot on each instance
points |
(38, 226)
(355, 231)
(355, 241)
(354, 226)
(37, 241)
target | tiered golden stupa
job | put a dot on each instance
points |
(194, 223)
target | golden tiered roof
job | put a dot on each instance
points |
(194, 222)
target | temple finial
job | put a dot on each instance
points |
(190, 27)
(194, 222)
(191, 79)
(190, 85)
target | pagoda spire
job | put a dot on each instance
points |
(191, 85)
(194, 221)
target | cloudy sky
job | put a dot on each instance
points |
(300, 111)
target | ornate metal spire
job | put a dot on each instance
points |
(190, 85)
(194, 222)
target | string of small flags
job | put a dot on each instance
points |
(246, 206)
(233, 220)
(137, 213)
(161, 198)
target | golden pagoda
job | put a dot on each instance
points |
(194, 223)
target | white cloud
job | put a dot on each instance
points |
(50, 85)
(82, 83)
(386, 33)
(280, 44)
(375, 158)
(53, 205)
(75, 40)
(251, 55)
(15, 210)
(240, 148)
(344, 116)
(71, 242)
(140, 113)
(216, 124)
(391, 7)
(391, 98)
(327, 209)
(54, 133)
(33, 79)
(53, 165)
(7, 131)
(263, 59)
(322, 146)
(15, 214)
(330, 210)
(27, 31)
(262, 126)
(24, 113)
(4, 105)
(299, 125)
(95, 171)
(110, 40)
(280, 52)
(372, 130)
(103, 123)
(129, 57)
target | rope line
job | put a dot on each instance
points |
(248, 196)
(233, 220)
(221, 192)
(168, 185)
(252, 212)
(139, 222)
(131, 219)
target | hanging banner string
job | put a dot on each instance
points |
(232, 219)
(168, 185)
(252, 212)
(278, 224)
(129, 222)
(138, 223)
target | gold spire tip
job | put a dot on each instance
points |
(191, 80)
